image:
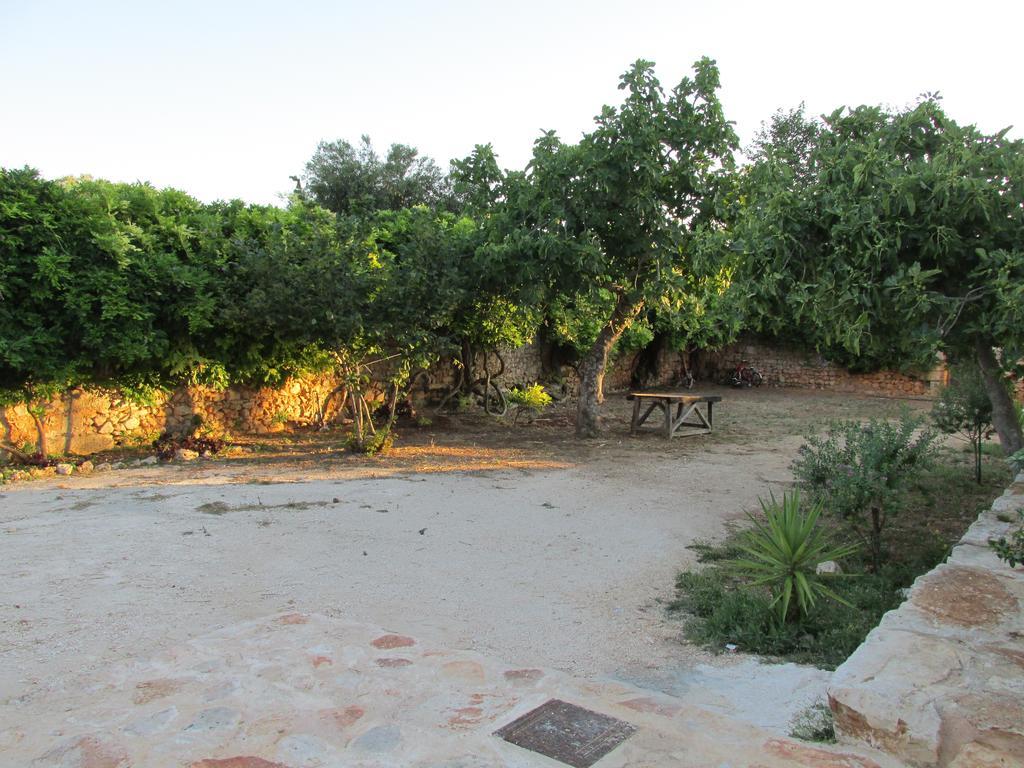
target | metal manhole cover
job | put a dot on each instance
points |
(563, 731)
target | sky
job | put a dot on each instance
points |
(228, 99)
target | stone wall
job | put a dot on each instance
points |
(787, 366)
(84, 422)
(940, 681)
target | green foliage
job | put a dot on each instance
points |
(964, 408)
(858, 471)
(1011, 550)
(723, 610)
(532, 399)
(596, 231)
(900, 236)
(357, 181)
(1016, 461)
(379, 442)
(783, 553)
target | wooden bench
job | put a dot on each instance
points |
(683, 403)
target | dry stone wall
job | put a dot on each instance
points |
(786, 366)
(940, 681)
(84, 422)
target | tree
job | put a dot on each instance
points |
(789, 137)
(98, 286)
(860, 470)
(614, 222)
(964, 409)
(356, 181)
(909, 239)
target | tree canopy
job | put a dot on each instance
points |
(615, 223)
(355, 180)
(906, 239)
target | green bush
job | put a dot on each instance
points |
(1011, 549)
(531, 399)
(859, 471)
(783, 553)
(965, 409)
(723, 610)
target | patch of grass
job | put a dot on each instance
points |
(815, 723)
(934, 512)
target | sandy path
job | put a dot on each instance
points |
(560, 557)
(560, 568)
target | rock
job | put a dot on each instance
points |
(103, 466)
(382, 738)
(207, 454)
(65, 469)
(148, 461)
(86, 467)
(185, 454)
(106, 428)
(968, 597)
(214, 719)
(387, 642)
(154, 723)
(829, 566)
(131, 423)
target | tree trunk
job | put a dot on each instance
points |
(42, 444)
(1004, 415)
(876, 539)
(593, 365)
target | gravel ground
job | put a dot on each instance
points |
(558, 556)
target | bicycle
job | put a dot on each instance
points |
(744, 375)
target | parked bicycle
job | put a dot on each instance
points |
(744, 375)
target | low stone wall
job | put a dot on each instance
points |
(787, 366)
(940, 681)
(86, 421)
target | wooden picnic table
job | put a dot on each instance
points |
(684, 404)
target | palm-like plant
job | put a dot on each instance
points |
(784, 552)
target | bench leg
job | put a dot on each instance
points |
(636, 416)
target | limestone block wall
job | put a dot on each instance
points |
(940, 681)
(787, 366)
(86, 421)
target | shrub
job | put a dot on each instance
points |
(1016, 461)
(965, 409)
(783, 553)
(532, 398)
(1011, 549)
(370, 445)
(860, 470)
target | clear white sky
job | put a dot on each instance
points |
(228, 99)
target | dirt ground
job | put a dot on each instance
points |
(515, 542)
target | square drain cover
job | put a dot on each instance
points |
(563, 731)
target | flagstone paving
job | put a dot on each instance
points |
(303, 691)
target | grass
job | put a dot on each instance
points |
(935, 512)
(815, 723)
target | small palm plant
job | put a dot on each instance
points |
(784, 551)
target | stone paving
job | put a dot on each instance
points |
(941, 680)
(306, 691)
